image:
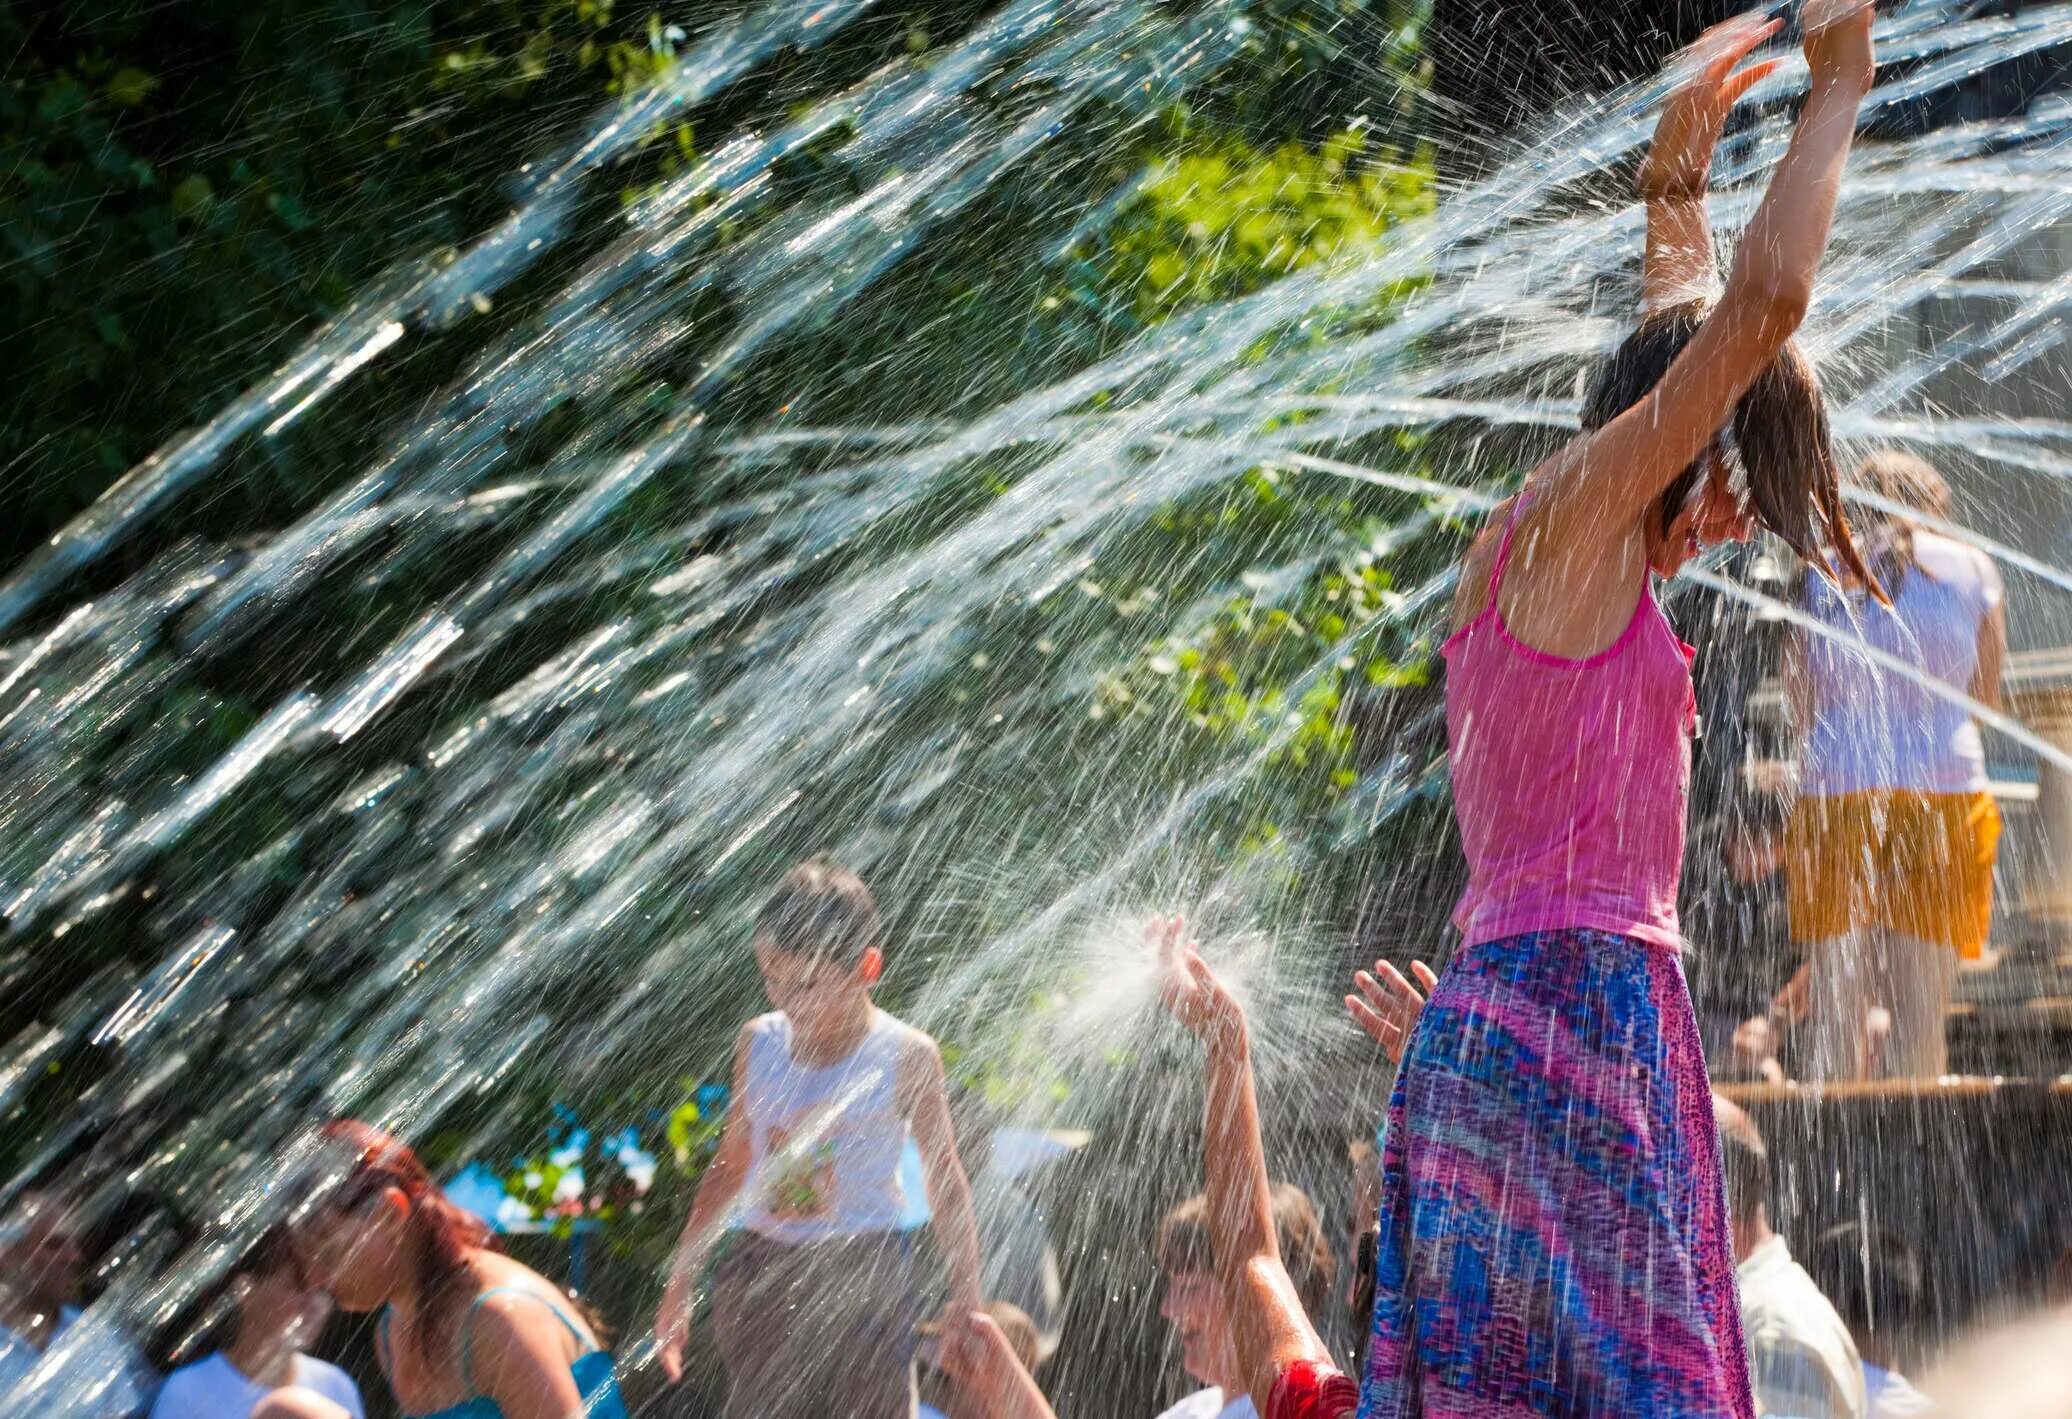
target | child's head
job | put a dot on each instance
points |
(43, 1251)
(274, 1298)
(376, 1226)
(818, 940)
(1911, 482)
(1785, 457)
(264, 1299)
(1193, 1303)
(1744, 1164)
(1874, 1280)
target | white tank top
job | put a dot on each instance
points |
(824, 1143)
(1873, 728)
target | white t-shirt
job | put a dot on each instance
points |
(1873, 728)
(1209, 1404)
(824, 1142)
(213, 1388)
(1802, 1360)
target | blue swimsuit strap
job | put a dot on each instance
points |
(584, 1342)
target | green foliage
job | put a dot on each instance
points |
(1222, 218)
(189, 189)
(1266, 663)
(184, 188)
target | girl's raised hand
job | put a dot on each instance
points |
(1387, 1005)
(1679, 162)
(1191, 992)
(1837, 39)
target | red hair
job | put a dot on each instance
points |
(444, 1234)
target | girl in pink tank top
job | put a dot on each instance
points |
(1571, 815)
(1553, 1230)
(1553, 1234)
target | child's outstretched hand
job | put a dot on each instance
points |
(672, 1333)
(1679, 162)
(1387, 1005)
(1191, 992)
(988, 1376)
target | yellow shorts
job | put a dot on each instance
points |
(1920, 864)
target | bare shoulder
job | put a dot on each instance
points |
(521, 1314)
(917, 1062)
(916, 1047)
(744, 1048)
(1471, 593)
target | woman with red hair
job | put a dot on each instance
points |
(465, 1333)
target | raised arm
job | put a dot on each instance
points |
(1603, 482)
(991, 1382)
(1681, 264)
(1268, 1326)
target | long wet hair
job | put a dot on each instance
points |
(1781, 438)
(443, 1234)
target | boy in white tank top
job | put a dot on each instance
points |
(815, 1300)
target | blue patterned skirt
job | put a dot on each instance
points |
(1553, 1226)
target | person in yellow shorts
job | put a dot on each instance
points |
(1889, 853)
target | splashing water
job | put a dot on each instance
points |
(517, 831)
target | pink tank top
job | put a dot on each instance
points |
(1569, 776)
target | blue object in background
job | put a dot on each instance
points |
(913, 1181)
(477, 1189)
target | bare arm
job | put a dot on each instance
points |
(925, 1098)
(717, 1189)
(518, 1354)
(1992, 657)
(990, 1380)
(1268, 1326)
(1603, 482)
(1798, 685)
(1680, 264)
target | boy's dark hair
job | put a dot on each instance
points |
(1183, 1243)
(209, 1323)
(1780, 429)
(1870, 1274)
(820, 911)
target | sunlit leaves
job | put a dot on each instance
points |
(1223, 219)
